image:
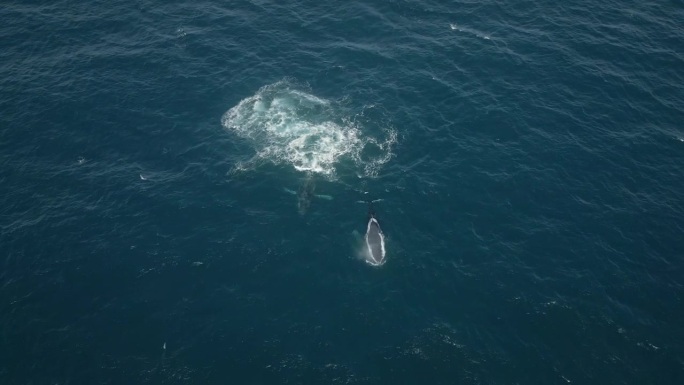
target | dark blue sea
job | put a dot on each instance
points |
(185, 191)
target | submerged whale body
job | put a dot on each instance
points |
(305, 195)
(306, 192)
(375, 243)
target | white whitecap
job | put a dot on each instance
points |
(471, 31)
(287, 125)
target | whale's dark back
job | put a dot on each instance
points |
(304, 196)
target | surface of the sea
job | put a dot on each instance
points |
(184, 186)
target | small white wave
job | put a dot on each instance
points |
(471, 31)
(291, 126)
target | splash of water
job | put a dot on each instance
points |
(287, 125)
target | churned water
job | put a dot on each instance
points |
(184, 190)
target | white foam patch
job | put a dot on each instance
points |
(291, 126)
(471, 31)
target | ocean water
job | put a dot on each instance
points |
(184, 190)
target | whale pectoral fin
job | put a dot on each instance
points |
(287, 190)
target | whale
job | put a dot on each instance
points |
(375, 240)
(305, 195)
